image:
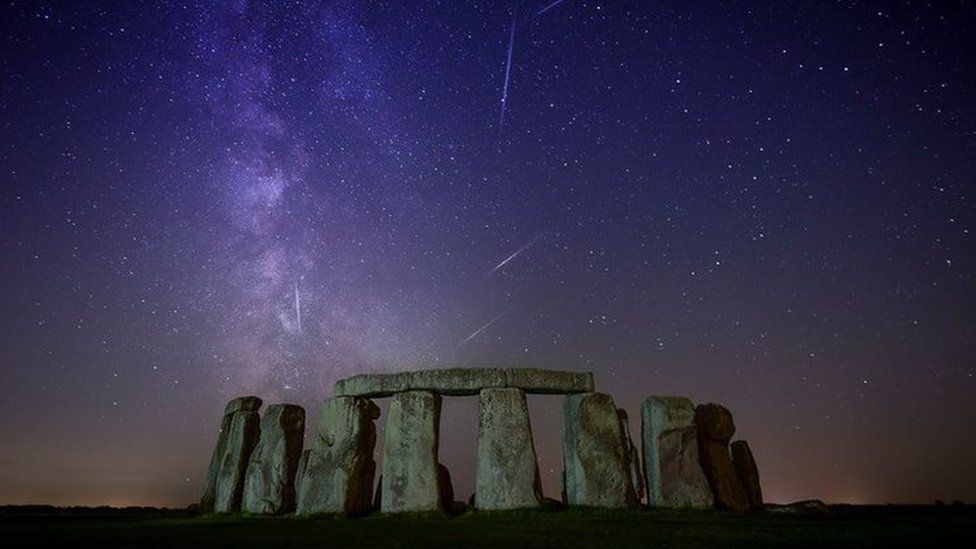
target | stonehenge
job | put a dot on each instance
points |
(259, 464)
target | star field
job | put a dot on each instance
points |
(769, 206)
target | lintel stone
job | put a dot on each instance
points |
(465, 382)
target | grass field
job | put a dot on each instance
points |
(845, 526)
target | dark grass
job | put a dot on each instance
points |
(844, 526)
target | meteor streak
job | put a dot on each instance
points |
(516, 253)
(550, 6)
(481, 329)
(508, 73)
(298, 307)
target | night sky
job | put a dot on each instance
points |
(769, 206)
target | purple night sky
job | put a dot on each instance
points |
(770, 206)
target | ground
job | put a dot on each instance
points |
(848, 526)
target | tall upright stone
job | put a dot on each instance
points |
(210, 483)
(715, 428)
(748, 473)
(339, 470)
(594, 453)
(633, 456)
(269, 484)
(410, 479)
(507, 471)
(239, 432)
(672, 471)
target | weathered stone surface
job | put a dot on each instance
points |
(242, 436)
(445, 486)
(269, 484)
(410, 453)
(465, 381)
(660, 414)
(594, 455)
(339, 472)
(553, 382)
(682, 481)
(223, 450)
(748, 473)
(714, 422)
(507, 474)
(243, 404)
(451, 381)
(715, 428)
(210, 484)
(633, 456)
(725, 485)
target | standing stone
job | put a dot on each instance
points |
(210, 484)
(714, 422)
(594, 454)
(410, 453)
(748, 473)
(672, 471)
(715, 428)
(239, 432)
(445, 486)
(683, 483)
(633, 457)
(269, 485)
(339, 471)
(242, 437)
(660, 414)
(507, 471)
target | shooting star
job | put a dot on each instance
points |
(508, 74)
(550, 6)
(516, 253)
(298, 307)
(481, 329)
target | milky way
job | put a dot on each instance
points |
(767, 205)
